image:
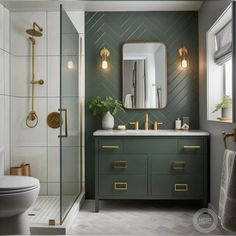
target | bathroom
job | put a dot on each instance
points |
(51, 74)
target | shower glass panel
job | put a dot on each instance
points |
(70, 174)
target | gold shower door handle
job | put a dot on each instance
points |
(66, 128)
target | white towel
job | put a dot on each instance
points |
(227, 203)
(128, 101)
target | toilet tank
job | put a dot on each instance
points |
(2, 156)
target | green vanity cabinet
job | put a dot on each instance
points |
(151, 167)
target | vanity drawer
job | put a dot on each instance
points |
(123, 164)
(110, 146)
(190, 146)
(150, 145)
(177, 186)
(123, 185)
(177, 164)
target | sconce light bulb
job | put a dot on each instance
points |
(70, 65)
(104, 64)
(184, 63)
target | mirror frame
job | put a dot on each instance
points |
(122, 71)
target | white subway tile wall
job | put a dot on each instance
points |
(20, 45)
(4, 85)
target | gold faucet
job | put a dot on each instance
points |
(136, 124)
(156, 124)
(146, 122)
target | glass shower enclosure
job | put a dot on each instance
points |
(70, 155)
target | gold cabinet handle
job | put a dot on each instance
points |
(66, 128)
(181, 187)
(178, 165)
(110, 146)
(120, 164)
(120, 185)
(192, 147)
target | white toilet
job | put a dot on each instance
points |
(17, 194)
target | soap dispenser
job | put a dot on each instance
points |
(178, 124)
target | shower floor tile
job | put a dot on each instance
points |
(47, 207)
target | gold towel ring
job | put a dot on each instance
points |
(226, 135)
(32, 119)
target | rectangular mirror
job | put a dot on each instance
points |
(144, 79)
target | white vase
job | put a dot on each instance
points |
(108, 121)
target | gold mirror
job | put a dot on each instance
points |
(144, 80)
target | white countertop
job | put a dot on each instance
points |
(160, 132)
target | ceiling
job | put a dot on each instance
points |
(107, 5)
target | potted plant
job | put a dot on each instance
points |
(105, 108)
(225, 106)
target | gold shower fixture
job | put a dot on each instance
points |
(32, 118)
(33, 32)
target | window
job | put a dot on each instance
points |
(219, 69)
(228, 78)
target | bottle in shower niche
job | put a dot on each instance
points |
(178, 124)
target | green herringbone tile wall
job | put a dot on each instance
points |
(112, 29)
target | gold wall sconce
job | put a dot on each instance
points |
(104, 53)
(183, 53)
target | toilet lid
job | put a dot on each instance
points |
(13, 184)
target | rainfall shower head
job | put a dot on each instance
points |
(33, 32)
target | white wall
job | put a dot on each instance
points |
(39, 146)
(4, 85)
(208, 14)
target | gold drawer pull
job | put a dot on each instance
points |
(110, 146)
(192, 147)
(120, 164)
(181, 187)
(178, 165)
(120, 186)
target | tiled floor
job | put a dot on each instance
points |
(136, 218)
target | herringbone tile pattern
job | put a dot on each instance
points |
(112, 29)
(136, 218)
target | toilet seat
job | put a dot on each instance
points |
(17, 184)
